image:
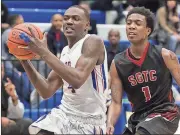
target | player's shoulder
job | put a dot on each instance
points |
(94, 39)
(166, 54)
(93, 44)
(157, 49)
(120, 56)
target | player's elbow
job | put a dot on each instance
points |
(77, 86)
(78, 83)
(46, 95)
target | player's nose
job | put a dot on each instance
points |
(69, 21)
(132, 26)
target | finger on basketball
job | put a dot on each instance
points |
(23, 47)
(45, 36)
(32, 33)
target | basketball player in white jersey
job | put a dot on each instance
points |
(82, 70)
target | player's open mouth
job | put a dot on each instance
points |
(69, 29)
(131, 33)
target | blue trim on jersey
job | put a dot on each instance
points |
(94, 80)
(94, 130)
(102, 132)
(41, 118)
(104, 76)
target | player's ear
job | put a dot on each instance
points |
(87, 26)
(148, 31)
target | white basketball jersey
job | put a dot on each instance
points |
(89, 100)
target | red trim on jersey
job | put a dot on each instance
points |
(141, 60)
(153, 115)
(170, 115)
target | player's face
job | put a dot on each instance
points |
(114, 37)
(136, 28)
(57, 22)
(74, 22)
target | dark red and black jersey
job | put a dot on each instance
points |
(147, 81)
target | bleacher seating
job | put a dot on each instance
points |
(44, 107)
(34, 114)
(54, 4)
(44, 15)
(36, 15)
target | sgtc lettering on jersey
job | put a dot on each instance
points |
(141, 77)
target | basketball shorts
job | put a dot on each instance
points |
(156, 123)
(59, 122)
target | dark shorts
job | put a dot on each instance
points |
(45, 132)
(165, 122)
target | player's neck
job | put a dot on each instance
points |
(138, 49)
(73, 40)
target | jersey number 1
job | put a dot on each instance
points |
(147, 93)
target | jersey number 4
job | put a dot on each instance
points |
(147, 93)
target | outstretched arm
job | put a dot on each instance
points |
(172, 64)
(116, 103)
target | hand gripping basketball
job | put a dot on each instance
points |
(19, 37)
(35, 45)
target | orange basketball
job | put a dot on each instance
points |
(14, 40)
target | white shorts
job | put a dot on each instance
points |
(59, 122)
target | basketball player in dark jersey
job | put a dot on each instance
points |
(145, 72)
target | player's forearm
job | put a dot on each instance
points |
(69, 74)
(113, 113)
(39, 82)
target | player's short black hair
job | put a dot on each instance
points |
(12, 19)
(86, 13)
(150, 18)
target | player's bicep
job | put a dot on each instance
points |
(116, 85)
(91, 51)
(54, 81)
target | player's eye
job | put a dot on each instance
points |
(76, 18)
(128, 22)
(138, 23)
(66, 18)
